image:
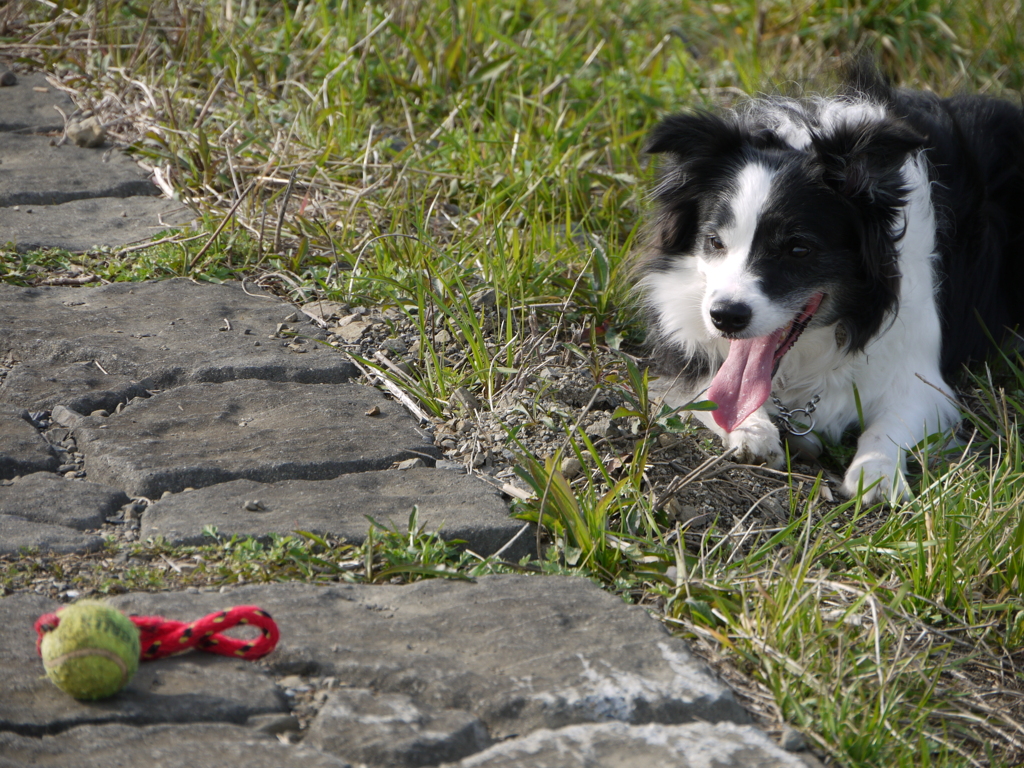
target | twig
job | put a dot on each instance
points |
(284, 210)
(202, 251)
(394, 389)
(512, 541)
(209, 101)
(256, 295)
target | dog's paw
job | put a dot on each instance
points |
(757, 444)
(876, 479)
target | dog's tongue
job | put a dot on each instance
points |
(744, 381)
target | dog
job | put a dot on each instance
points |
(834, 261)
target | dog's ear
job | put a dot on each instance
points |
(694, 145)
(691, 135)
(862, 161)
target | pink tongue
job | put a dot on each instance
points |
(744, 381)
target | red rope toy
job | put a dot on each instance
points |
(162, 637)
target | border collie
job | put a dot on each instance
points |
(834, 259)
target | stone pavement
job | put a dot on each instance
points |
(197, 404)
(55, 194)
(197, 398)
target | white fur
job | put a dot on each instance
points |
(727, 277)
(902, 393)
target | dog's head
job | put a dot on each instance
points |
(775, 221)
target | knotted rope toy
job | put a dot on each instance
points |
(91, 650)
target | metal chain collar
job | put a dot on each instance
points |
(786, 415)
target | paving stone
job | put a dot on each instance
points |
(24, 109)
(198, 745)
(47, 498)
(390, 730)
(81, 225)
(517, 652)
(202, 434)
(34, 172)
(22, 449)
(427, 672)
(18, 534)
(617, 745)
(195, 687)
(91, 348)
(65, 196)
(458, 506)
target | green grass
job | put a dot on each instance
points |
(417, 154)
(388, 555)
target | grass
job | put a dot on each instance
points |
(421, 155)
(388, 555)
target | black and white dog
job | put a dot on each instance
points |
(809, 252)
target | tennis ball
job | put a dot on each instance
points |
(93, 652)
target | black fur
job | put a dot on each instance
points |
(844, 200)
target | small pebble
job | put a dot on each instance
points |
(405, 368)
(397, 346)
(411, 464)
(375, 411)
(292, 318)
(792, 740)
(466, 399)
(87, 133)
(7, 78)
(666, 440)
(485, 298)
(254, 506)
(571, 467)
(344, 321)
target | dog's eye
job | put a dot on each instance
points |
(715, 243)
(799, 251)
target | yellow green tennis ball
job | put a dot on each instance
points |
(93, 652)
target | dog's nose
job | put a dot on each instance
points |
(731, 316)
